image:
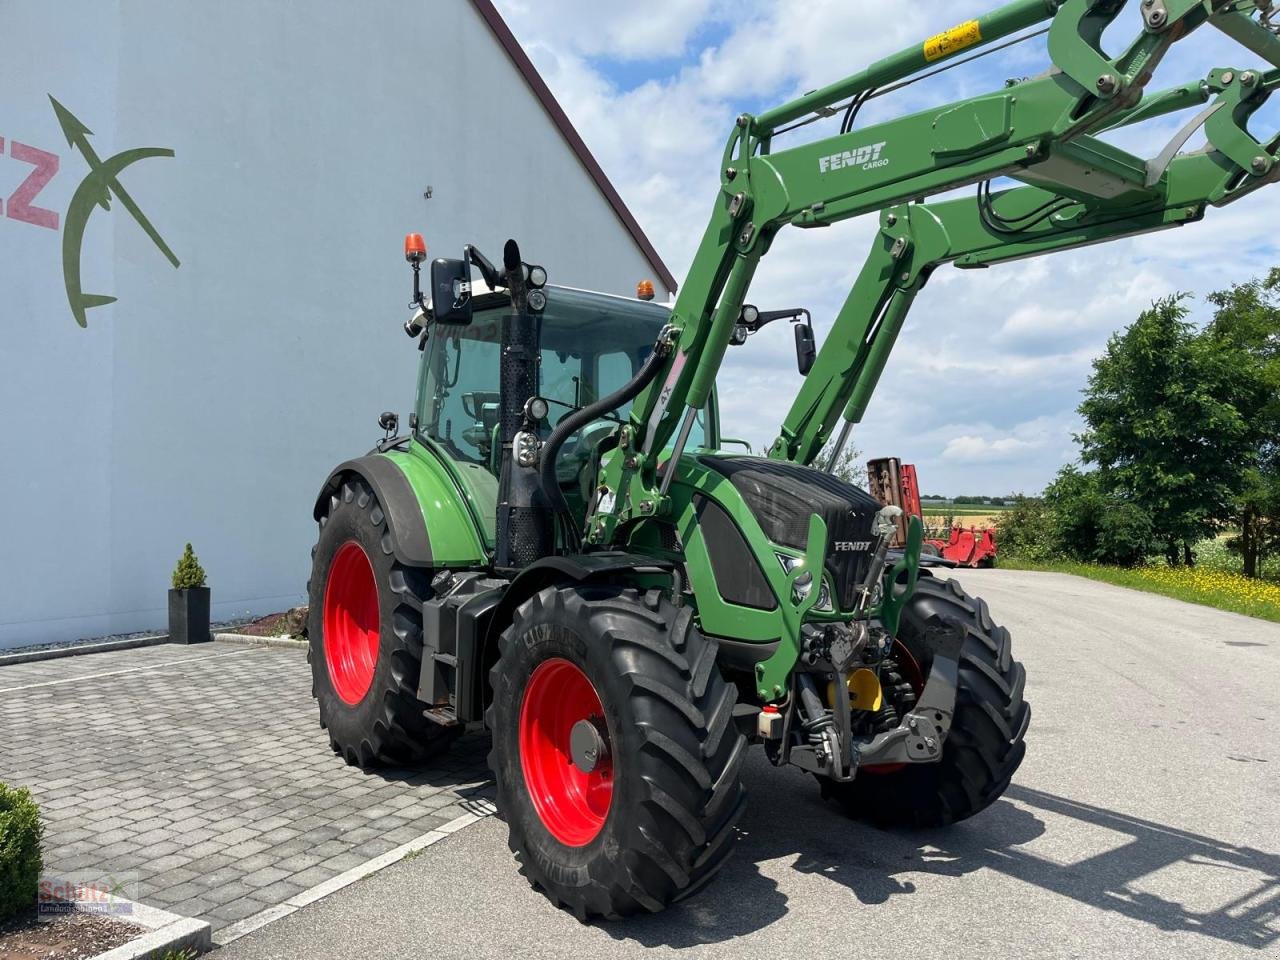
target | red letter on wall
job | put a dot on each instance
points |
(46, 165)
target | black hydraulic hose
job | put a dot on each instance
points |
(854, 108)
(1011, 226)
(580, 418)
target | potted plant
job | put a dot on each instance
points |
(189, 602)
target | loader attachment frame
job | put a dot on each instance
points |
(1076, 190)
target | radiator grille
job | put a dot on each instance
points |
(783, 496)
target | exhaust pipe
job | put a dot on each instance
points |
(524, 531)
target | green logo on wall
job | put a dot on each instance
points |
(96, 191)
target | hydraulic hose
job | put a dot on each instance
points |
(580, 418)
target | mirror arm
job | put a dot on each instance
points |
(492, 276)
(794, 314)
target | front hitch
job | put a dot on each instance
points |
(919, 738)
(836, 651)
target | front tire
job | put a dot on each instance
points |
(986, 742)
(364, 625)
(652, 820)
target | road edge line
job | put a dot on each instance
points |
(19, 655)
(262, 918)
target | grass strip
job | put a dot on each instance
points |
(1208, 587)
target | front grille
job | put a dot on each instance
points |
(783, 496)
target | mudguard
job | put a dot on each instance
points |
(430, 524)
(391, 487)
(575, 568)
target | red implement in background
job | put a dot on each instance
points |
(894, 483)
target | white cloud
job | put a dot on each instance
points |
(658, 28)
(971, 449)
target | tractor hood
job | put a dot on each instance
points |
(782, 496)
(743, 523)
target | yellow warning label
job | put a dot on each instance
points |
(952, 41)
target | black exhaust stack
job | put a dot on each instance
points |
(524, 529)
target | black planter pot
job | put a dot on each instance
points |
(189, 615)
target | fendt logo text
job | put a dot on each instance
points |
(850, 546)
(868, 158)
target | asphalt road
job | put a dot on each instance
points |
(1145, 822)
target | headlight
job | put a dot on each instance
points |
(525, 446)
(801, 587)
(824, 598)
(536, 409)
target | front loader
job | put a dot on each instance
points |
(556, 545)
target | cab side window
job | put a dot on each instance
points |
(612, 371)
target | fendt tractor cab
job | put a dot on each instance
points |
(558, 547)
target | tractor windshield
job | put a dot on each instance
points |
(592, 344)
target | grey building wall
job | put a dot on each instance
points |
(209, 402)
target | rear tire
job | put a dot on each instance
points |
(674, 753)
(985, 745)
(364, 675)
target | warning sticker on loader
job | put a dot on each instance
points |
(952, 41)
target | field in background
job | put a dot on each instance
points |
(966, 515)
(940, 508)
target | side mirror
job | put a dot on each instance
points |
(806, 350)
(451, 292)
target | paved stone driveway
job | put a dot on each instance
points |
(204, 771)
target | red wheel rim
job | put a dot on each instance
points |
(572, 804)
(351, 627)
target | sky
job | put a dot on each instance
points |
(982, 389)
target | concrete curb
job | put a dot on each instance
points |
(165, 931)
(481, 808)
(75, 650)
(250, 640)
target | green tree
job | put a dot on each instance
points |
(1246, 325)
(1088, 522)
(848, 466)
(1166, 425)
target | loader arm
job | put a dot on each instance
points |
(916, 238)
(1036, 130)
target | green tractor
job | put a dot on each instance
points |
(559, 548)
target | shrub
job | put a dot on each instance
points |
(20, 861)
(1089, 523)
(188, 573)
(1125, 533)
(1025, 530)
